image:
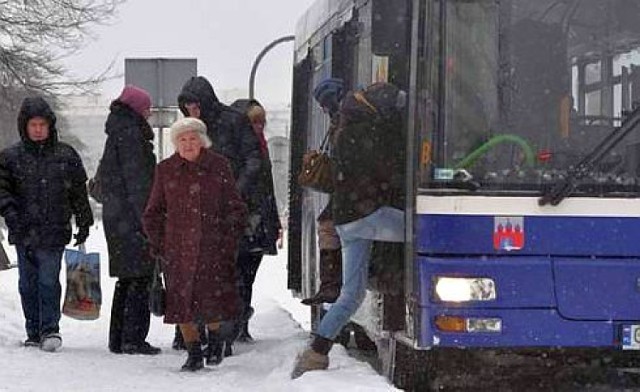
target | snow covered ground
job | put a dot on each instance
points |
(280, 327)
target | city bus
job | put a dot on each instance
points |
(522, 172)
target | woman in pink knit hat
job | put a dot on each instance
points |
(126, 174)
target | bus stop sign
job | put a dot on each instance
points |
(163, 78)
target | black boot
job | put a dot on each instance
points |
(243, 327)
(136, 318)
(195, 360)
(117, 316)
(214, 348)
(228, 348)
(244, 335)
(178, 340)
(143, 348)
(330, 278)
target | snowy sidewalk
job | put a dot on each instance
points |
(85, 364)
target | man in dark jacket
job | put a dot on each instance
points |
(232, 136)
(126, 174)
(42, 184)
(229, 131)
(368, 202)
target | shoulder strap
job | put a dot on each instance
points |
(323, 146)
(359, 96)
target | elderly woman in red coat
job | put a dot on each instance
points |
(194, 218)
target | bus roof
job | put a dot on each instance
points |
(321, 13)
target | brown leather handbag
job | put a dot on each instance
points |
(317, 169)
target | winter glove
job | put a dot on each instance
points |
(81, 235)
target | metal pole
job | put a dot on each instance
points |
(160, 102)
(254, 69)
(160, 143)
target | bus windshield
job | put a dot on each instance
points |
(528, 88)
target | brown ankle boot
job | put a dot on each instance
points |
(316, 357)
(330, 278)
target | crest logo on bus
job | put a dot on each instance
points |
(508, 233)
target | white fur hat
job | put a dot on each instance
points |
(190, 124)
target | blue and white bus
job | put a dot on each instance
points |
(523, 169)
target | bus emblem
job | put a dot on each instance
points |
(508, 233)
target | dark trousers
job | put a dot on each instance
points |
(248, 264)
(130, 315)
(40, 290)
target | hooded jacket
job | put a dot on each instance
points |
(126, 175)
(42, 184)
(228, 129)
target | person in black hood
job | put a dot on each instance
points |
(42, 184)
(126, 174)
(233, 137)
(229, 131)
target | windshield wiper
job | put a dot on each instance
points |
(556, 193)
(464, 180)
(455, 179)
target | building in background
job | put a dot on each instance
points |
(83, 120)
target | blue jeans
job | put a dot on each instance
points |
(384, 224)
(40, 289)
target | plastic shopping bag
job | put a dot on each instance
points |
(83, 297)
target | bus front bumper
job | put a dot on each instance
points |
(501, 328)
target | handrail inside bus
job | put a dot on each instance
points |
(470, 159)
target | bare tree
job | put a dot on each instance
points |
(35, 35)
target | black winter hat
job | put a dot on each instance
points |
(329, 89)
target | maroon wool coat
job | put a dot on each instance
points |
(195, 217)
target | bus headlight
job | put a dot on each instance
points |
(464, 289)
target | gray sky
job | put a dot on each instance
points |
(225, 36)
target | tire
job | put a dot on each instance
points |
(409, 369)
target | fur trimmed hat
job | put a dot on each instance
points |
(136, 98)
(190, 124)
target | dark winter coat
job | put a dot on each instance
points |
(369, 158)
(195, 217)
(126, 174)
(264, 220)
(42, 185)
(228, 129)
